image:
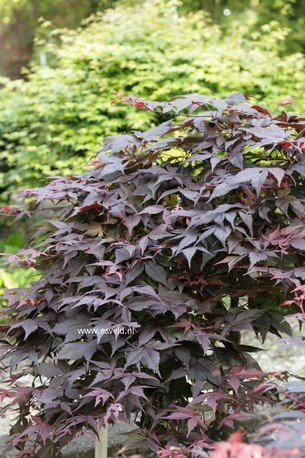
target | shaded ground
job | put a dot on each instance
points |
(83, 446)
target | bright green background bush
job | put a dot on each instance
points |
(14, 278)
(55, 121)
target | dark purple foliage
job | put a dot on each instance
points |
(187, 234)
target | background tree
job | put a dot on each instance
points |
(19, 23)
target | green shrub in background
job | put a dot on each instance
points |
(15, 278)
(55, 121)
(10, 277)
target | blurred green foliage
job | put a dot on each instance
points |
(14, 278)
(55, 120)
(20, 21)
(288, 13)
(19, 24)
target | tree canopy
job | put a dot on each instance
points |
(189, 233)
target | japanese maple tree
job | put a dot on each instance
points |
(189, 234)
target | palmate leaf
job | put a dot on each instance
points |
(156, 272)
(78, 350)
(298, 244)
(118, 143)
(255, 175)
(28, 325)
